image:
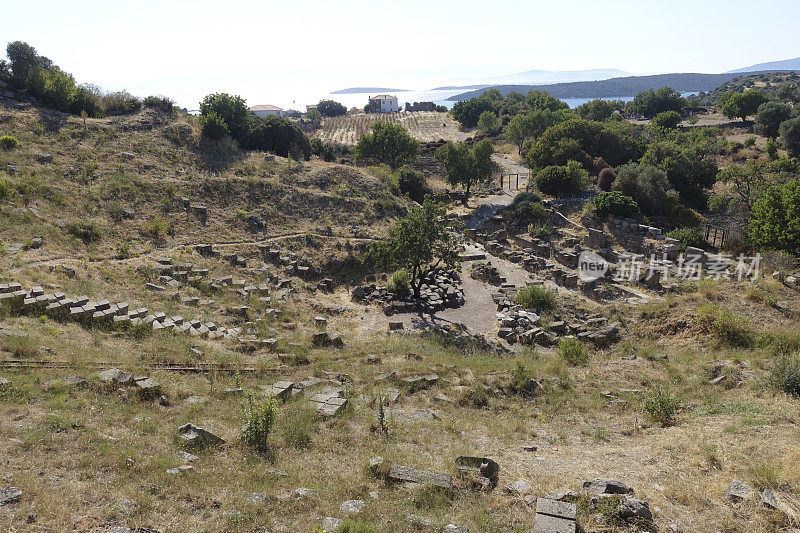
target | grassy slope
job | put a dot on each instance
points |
(78, 454)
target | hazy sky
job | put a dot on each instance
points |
(261, 49)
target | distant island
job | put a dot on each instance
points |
(615, 87)
(365, 90)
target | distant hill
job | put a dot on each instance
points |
(615, 87)
(539, 77)
(785, 64)
(367, 90)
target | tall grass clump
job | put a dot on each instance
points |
(661, 407)
(785, 375)
(399, 282)
(259, 417)
(573, 352)
(728, 327)
(536, 298)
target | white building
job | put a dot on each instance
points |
(266, 109)
(383, 103)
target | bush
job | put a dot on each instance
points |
(605, 178)
(526, 208)
(614, 203)
(232, 110)
(688, 237)
(120, 103)
(488, 122)
(277, 135)
(725, 325)
(213, 126)
(775, 218)
(89, 231)
(769, 118)
(162, 104)
(331, 108)
(785, 375)
(399, 282)
(667, 119)
(562, 180)
(412, 183)
(5, 189)
(771, 147)
(536, 297)
(573, 351)
(661, 407)
(259, 417)
(646, 184)
(7, 142)
(790, 136)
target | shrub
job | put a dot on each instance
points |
(646, 184)
(213, 126)
(412, 182)
(399, 282)
(725, 325)
(573, 351)
(771, 147)
(770, 116)
(775, 218)
(667, 119)
(688, 237)
(277, 135)
(790, 136)
(661, 407)
(120, 103)
(331, 108)
(88, 231)
(605, 178)
(259, 417)
(536, 297)
(525, 209)
(614, 203)
(749, 142)
(162, 104)
(7, 142)
(5, 189)
(488, 122)
(562, 180)
(233, 111)
(785, 375)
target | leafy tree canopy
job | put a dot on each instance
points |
(420, 243)
(331, 108)
(466, 166)
(387, 143)
(741, 104)
(650, 103)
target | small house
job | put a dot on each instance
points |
(383, 103)
(266, 109)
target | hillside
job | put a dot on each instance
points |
(785, 64)
(616, 87)
(156, 288)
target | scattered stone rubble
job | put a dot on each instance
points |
(443, 291)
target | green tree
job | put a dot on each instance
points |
(769, 117)
(576, 139)
(466, 166)
(667, 119)
(331, 108)
(775, 218)
(278, 135)
(646, 184)
(751, 181)
(734, 104)
(562, 180)
(530, 125)
(467, 112)
(387, 143)
(597, 109)
(543, 100)
(790, 136)
(231, 109)
(314, 117)
(412, 183)
(650, 103)
(420, 242)
(488, 122)
(213, 126)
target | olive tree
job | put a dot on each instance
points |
(389, 144)
(420, 242)
(465, 166)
